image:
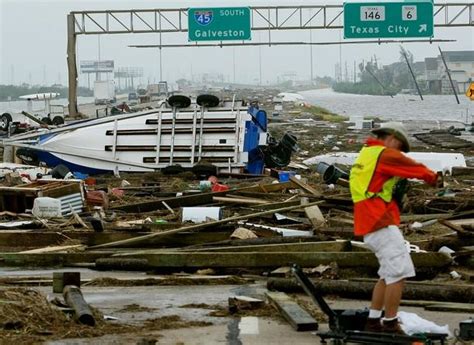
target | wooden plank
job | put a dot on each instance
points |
(170, 259)
(200, 226)
(453, 226)
(239, 200)
(27, 239)
(274, 205)
(50, 259)
(329, 246)
(307, 188)
(296, 316)
(55, 249)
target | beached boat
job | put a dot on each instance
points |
(229, 136)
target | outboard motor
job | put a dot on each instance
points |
(278, 154)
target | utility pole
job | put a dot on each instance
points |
(346, 76)
(311, 54)
(355, 73)
(412, 74)
(12, 74)
(233, 63)
(449, 75)
(97, 76)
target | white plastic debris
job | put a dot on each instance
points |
(416, 225)
(201, 214)
(411, 323)
(455, 275)
(446, 250)
(44, 207)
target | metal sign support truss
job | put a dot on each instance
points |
(264, 18)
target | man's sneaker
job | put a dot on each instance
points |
(373, 325)
(392, 326)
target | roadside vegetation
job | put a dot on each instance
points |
(322, 114)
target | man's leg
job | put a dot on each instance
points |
(378, 295)
(393, 296)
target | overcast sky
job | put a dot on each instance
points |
(33, 41)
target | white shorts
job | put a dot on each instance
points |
(393, 256)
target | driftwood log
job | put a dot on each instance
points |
(363, 290)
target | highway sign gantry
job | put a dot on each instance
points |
(219, 24)
(388, 19)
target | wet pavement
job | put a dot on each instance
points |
(135, 304)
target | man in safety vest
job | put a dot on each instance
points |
(376, 171)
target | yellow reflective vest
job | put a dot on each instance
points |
(362, 172)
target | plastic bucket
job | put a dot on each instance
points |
(333, 173)
(284, 176)
(321, 168)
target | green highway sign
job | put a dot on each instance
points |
(388, 19)
(219, 24)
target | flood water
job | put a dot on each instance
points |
(400, 107)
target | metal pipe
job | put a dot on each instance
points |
(289, 43)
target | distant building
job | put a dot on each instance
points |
(460, 65)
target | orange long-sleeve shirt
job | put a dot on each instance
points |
(374, 213)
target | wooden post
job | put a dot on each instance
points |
(72, 68)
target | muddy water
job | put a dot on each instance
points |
(400, 107)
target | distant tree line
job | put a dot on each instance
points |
(375, 79)
(15, 91)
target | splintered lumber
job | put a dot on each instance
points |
(274, 205)
(170, 259)
(330, 246)
(180, 201)
(363, 290)
(243, 201)
(55, 249)
(196, 199)
(304, 186)
(74, 299)
(146, 238)
(296, 316)
(262, 241)
(454, 227)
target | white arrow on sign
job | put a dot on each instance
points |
(423, 28)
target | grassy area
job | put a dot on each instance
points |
(323, 114)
